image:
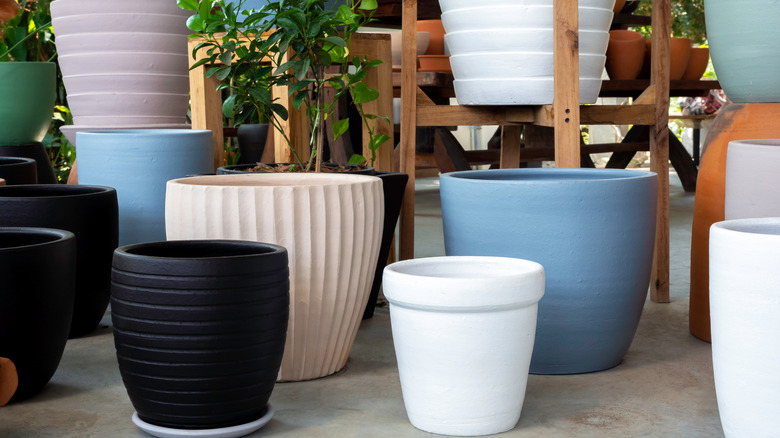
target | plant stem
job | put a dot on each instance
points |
(8, 52)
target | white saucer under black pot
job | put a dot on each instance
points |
(223, 432)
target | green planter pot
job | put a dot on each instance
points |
(28, 93)
(744, 39)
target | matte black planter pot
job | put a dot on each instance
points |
(37, 152)
(18, 170)
(251, 142)
(199, 329)
(37, 278)
(393, 185)
(90, 212)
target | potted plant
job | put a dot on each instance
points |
(27, 86)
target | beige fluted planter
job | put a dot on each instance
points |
(331, 227)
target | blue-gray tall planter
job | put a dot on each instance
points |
(593, 230)
(138, 163)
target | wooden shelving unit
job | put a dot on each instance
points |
(649, 108)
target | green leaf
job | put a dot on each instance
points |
(376, 141)
(226, 58)
(284, 67)
(357, 159)
(199, 63)
(362, 94)
(340, 127)
(299, 99)
(196, 23)
(228, 106)
(300, 69)
(298, 86)
(280, 110)
(336, 40)
(368, 5)
(222, 74)
(205, 9)
(188, 5)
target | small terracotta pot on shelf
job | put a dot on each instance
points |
(436, 32)
(680, 51)
(434, 63)
(618, 6)
(625, 54)
(697, 63)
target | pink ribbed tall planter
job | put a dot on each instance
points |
(331, 227)
(124, 63)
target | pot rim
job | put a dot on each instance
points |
(12, 161)
(759, 143)
(548, 176)
(57, 236)
(763, 228)
(269, 180)
(58, 191)
(261, 249)
(144, 132)
(501, 282)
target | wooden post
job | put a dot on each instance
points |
(659, 146)
(511, 139)
(566, 104)
(408, 124)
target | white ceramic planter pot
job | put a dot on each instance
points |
(753, 179)
(463, 329)
(744, 306)
(502, 50)
(101, 44)
(331, 227)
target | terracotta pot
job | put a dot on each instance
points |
(2, 182)
(9, 380)
(434, 63)
(436, 36)
(330, 224)
(680, 53)
(697, 63)
(618, 6)
(625, 54)
(734, 122)
(647, 64)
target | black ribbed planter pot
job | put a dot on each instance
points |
(18, 170)
(37, 278)
(199, 329)
(37, 152)
(393, 186)
(90, 212)
(251, 142)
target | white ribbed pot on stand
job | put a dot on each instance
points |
(744, 311)
(502, 50)
(463, 329)
(331, 225)
(124, 63)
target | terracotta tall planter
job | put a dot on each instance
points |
(744, 282)
(331, 226)
(734, 122)
(744, 40)
(625, 54)
(124, 64)
(502, 50)
(37, 267)
(27, 104)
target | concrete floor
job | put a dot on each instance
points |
(663, 388)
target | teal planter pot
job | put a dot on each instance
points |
(138, 163)
(744, 39)
(27, 102)
(592, 230)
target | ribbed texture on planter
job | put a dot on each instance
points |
(463, 329)
(331, 226)
(124, 63)
(28, 90)
(745, 305)
(138, 163)
(502, 50)
(89, 212)
(744, 40)
(566, 220)
(199, 329)
(37, 268)
(752, 179)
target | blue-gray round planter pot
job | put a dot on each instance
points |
(593, 230)
(138, 163)
(744, 40)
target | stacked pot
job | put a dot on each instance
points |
(502, 50)
(124, 64)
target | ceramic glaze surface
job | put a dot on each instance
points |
(744, 304)
(331, 227)
(138, 163)
(463, 329)
(502, 50)
(563, 219)
(28, 90)
(752, 179)
(744, 40)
